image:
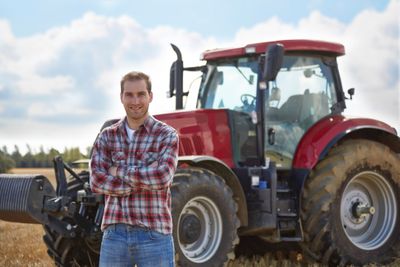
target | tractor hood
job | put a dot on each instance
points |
(202, 132)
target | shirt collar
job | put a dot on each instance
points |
(147, 124)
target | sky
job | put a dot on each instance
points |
(61, 61)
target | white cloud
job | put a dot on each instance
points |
(6, 35)
(315, 26)
(69, 76)
(67, 79)
(372, 59)
(372, 64)
(47, 110)
(38, 85)
(48, 135)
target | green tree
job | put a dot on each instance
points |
(71, 154)
(6, 162)
(16, 156)
(88, 151)
(51, 155)
(41, 158)
(28, 159)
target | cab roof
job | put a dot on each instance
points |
(303, 45)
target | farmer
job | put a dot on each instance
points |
(132, 164)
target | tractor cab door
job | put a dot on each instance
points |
(303, 93)
(231, 84)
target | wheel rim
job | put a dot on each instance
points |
(199, 240)
(368, 210)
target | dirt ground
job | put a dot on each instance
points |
(22, 244)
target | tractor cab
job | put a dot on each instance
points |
(306, 89)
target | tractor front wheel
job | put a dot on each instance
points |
(205, 218)
(350, 205)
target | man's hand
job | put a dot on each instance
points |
(112, 171)
(153, 164)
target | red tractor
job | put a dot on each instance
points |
(266, 155)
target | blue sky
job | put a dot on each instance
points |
(61, 61)
(209, 17)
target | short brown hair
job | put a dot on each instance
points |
(136, 76)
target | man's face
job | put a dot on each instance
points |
(136, 99)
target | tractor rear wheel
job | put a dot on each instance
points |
(205, 218)
(77, 251)
(350, 205)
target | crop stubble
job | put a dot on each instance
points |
(22, 244)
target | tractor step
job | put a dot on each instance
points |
(290, 229)
(292, 239)
(287, 214)
(283, 190)
(286, 207)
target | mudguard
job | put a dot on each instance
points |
(318, 140)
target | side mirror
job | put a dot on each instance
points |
(273, 61)
(351, 92)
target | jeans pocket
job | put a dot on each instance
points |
(156, 235)
(108, 232)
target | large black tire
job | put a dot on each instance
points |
(339, 224)
(77, 251)
(205, 218)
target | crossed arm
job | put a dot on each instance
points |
(122, 180)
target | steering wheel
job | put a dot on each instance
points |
(248, 101)
(245, 99)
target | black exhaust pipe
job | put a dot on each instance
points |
(176, 79)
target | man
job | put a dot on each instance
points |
(132, 164)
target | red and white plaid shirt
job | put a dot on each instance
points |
(140, 192)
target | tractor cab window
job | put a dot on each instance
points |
(230, 85)
(302, 94)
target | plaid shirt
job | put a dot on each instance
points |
(139, 194)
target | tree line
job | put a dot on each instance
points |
(40, 159)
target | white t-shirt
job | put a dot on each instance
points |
(129, 131)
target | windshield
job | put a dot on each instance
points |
(231, 85)
(304, 78)
(302, 94)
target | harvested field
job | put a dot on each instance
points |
(22, 244)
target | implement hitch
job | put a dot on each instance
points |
(32, 199)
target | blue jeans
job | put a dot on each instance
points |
(125, 245)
